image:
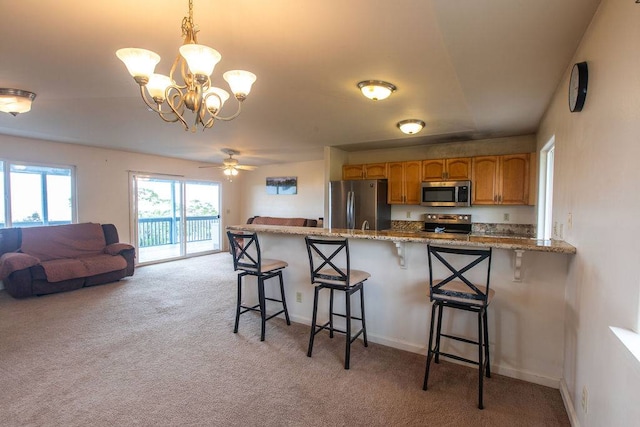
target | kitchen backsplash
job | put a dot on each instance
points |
(520, 230)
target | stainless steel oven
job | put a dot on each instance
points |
(447, 223)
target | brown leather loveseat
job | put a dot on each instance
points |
(45, 260)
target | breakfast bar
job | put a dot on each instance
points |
(528, 276)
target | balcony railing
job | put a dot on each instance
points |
(166, 230)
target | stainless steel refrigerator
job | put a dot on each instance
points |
(351, 203)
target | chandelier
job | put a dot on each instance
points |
(194, 64)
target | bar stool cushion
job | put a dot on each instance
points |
(459, 287)
(355, 277)
(267, 265)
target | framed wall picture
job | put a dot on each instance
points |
(282, 185)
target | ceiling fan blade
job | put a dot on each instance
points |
(246, 168)
(212, 166)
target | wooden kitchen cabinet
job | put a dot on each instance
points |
(457, 169)
(350, 172)
(404, 182)
(501, 180)
(367, 171)
(375, 171)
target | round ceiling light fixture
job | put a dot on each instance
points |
(376, 90)
(15, 101)
(411, 126)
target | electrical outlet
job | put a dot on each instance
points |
(298, 296)
(585, 399)
(561, 231)
(408, 214)
(570, 221)
(506, 217)
(555, 229)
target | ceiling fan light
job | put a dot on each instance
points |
(200, 58)
(234, 171)
(15, 101)
(227, 171)
(376, 90)
(240, 82)
(139, 62)
(411, 126)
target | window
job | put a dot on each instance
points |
(545, 197)
(36, 195)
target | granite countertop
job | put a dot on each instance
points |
(479, 240)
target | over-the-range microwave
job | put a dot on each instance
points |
(445, 193)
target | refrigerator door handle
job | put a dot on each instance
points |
(350, 213)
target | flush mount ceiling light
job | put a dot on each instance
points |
(376, 90)
(194, 64)
(15, 101)
(411, 126)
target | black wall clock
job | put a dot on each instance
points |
(578, 86)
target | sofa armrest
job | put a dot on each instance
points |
(14, 261)
(117, 248)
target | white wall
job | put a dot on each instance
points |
(103, 177)
(307, 203)
(596, 180)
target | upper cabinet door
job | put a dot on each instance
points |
(404, 182)
(458, 169)
(514, 179)
(395, 183)
(433, 170)
(375, 171)
(350, 172)
(412, 180)
(501, 180)
(484, 177)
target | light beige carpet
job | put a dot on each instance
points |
(158, 349)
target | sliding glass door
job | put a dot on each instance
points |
(159, 206)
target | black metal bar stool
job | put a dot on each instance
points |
(247, 258)
(327, 261)
(456, 291)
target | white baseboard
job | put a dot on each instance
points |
(500, 370)
(568, 404)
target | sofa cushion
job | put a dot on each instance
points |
(63, 241)
(103, 263)
(57, 270)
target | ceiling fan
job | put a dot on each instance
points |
(230, 165)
